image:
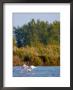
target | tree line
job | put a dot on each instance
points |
(43, 37)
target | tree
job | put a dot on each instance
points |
(55, 32)
(37, 32)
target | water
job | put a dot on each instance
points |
(39, 71)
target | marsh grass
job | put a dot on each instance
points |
(42, 55)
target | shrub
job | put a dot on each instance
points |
(50, 54)
(17, 61)
(37, 61)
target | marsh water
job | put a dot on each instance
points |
(39, 71)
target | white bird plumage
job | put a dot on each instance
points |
(28, 68)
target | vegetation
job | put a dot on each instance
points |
(37, 43)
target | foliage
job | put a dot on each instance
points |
(50, 53)
(37, 32)
(37, 43)
(17, 61)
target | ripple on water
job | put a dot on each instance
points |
(39, 71)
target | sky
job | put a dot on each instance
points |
(19, 19)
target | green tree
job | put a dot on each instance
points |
(33, 33)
